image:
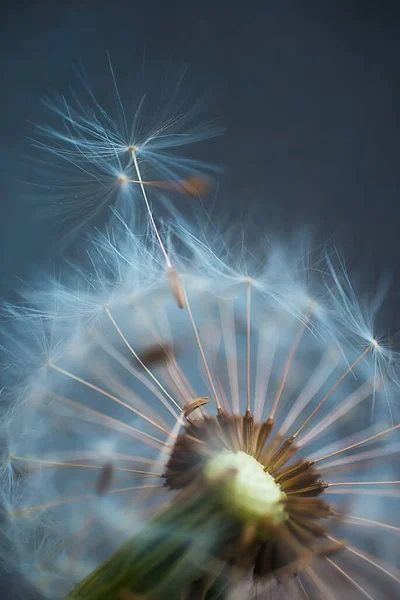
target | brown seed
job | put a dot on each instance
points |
(194, 404)
(104, 480)
(248, 432)
(195, 185)
(263, 434)
(281, 456)
(175, 284)
(154, 355)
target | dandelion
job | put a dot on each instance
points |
(188, 422)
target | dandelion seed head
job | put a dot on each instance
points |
(173, 359)
(83, 399)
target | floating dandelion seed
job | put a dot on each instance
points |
(221, 451)
(92, 160)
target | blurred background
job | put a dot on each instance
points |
(308, 92)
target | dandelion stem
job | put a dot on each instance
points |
(96, 388)
(372, 437)
(354, 520)
(229, 337)
(200, 347)
(288, 363)
(53, 463)
(371, 561)
(110, 422)
(301, 586)
(137, 357)
(347, 576)
(150, 213)
(72, 499)
(363, 483)
(339, 381)
(248, 318)
(164, 558)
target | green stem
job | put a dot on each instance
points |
(165, 558)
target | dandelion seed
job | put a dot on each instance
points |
(92, 159)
